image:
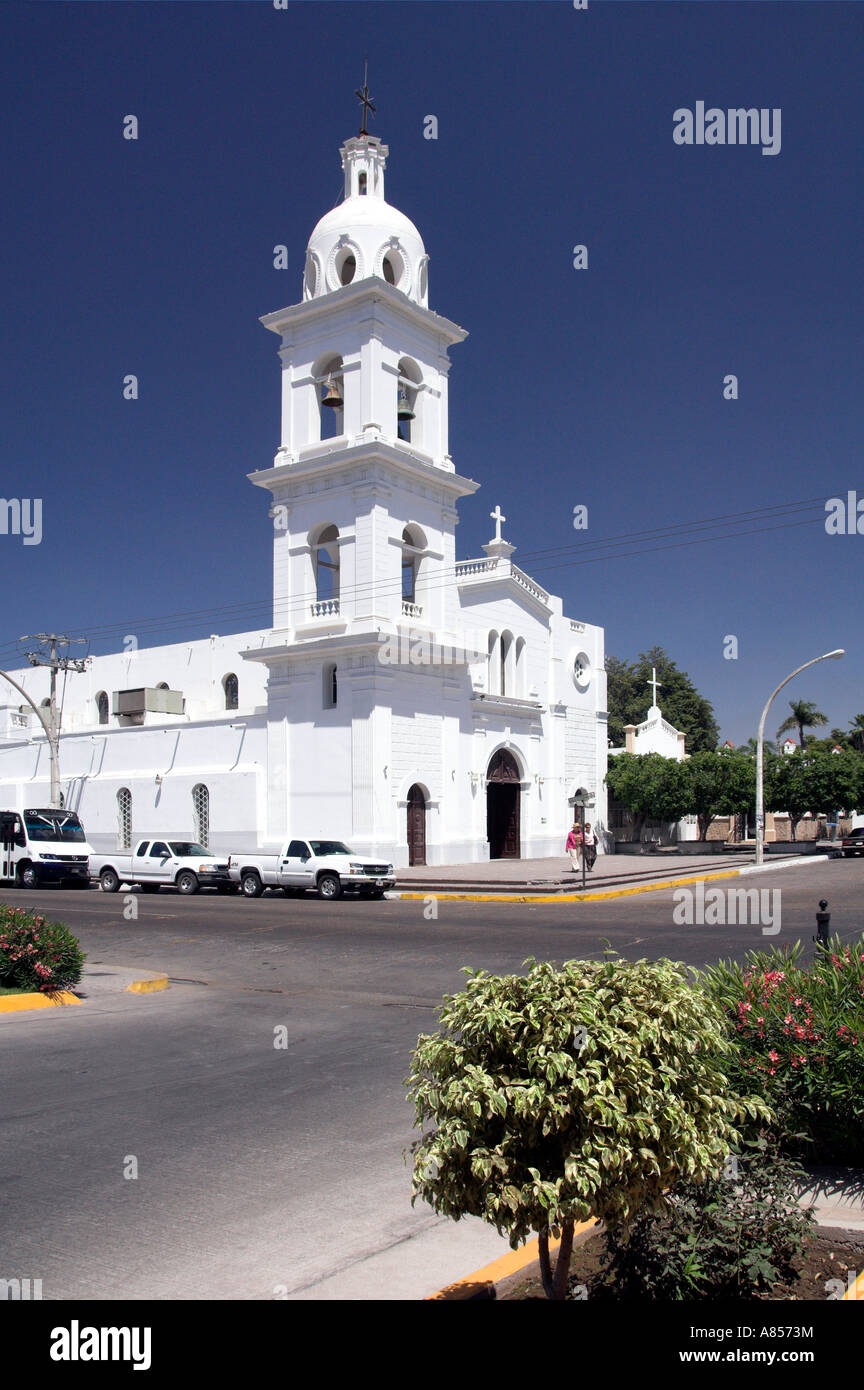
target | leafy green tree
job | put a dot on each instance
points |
(856, 732)
(649, 785)
(804, 715)
(718, 784)
(628, 699)
(571, 1093)
(814, 781)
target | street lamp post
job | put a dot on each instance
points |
(50, 727)
(760, 787)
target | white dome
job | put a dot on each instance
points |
(364, 235)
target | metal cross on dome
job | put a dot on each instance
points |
(365, 101)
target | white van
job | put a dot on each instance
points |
(43, 845)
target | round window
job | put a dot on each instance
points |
(581, 671)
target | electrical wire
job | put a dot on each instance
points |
(448, 576)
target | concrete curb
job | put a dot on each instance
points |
(503, 1271)
(601, 896)
(148, 986)
(788, 863)
(19, 1003)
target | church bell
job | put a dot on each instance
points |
(333, 396)
(403, 406)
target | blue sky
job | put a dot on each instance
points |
(601, 387)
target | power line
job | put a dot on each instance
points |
(447, 577)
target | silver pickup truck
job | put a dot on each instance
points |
(328, 866)
(180, 864)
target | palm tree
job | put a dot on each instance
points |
(856, 732)
(804, 716)
(750, 747)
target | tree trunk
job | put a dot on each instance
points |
(639, 819)
(555, 1281)
(545, 1267)
(562, 1267)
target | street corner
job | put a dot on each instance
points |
(102, 978)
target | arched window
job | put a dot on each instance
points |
(507, 673)
(102, 707)
(326, 553)
(231, 687)
(163, 685)
(407, 397)
(124, 818)
(331, 399)
(493, 682)
(330, 693)
(412, 541)
(520, 685)
(44, 704)
(201, 814)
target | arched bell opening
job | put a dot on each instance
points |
(331, 399)
(407, 401)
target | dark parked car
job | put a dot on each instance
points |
(853, 843)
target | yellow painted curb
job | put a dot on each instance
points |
(13, 1003)
(856, 1291)
(148, 986)
(567, 897)
(511, 1263)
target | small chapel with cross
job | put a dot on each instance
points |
(420, 708)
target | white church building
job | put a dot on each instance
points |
(420, 708)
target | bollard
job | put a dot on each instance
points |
(822, 920)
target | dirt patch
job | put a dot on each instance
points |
(828, 1254)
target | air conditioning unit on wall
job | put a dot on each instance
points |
(148, 700)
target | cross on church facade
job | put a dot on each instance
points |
(654, 683)
(498, 516)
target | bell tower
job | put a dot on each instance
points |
(364, 514)
(363, 453)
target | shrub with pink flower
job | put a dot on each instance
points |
(799, 1030)
(36, 954)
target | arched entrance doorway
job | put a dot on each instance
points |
(416, 825)
(502, 806)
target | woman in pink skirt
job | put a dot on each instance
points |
(574, 847)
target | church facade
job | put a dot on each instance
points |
(419, 708)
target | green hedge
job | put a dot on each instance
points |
(36, 954)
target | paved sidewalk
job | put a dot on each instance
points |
(443, 1252)
(838, 1194)
(100, 978)
(556, 876)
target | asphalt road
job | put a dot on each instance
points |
(276, 1171)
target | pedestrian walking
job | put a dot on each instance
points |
(589, 846)
(574, 847)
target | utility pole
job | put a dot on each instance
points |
(55, 663)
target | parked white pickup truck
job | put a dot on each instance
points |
(328, 866)
(179, 864)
